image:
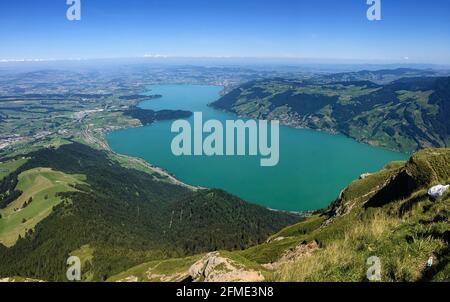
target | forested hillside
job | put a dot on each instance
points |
(119, 217)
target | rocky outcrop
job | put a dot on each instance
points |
(129, 279)
(215, 268)
(18, 279)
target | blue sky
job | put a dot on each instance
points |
(411, 31)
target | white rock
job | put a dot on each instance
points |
(437, 191)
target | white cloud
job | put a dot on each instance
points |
(155, 56)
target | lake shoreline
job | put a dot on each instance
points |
(330, 132)
(284, 190)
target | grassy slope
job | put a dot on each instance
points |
(155, 271)
(86, 255)
(10, 166)
(403, 231)
(40, 184)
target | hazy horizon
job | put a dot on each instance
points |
(325, 31)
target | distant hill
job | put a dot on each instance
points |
(387, 215)
(405, 115)
(75, 199)
(382, 76)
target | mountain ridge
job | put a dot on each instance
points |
(405, 115)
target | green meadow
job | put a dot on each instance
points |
(40, 187)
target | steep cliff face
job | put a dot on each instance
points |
(424, 169)
(397, 181)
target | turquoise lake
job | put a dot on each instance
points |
(313, 168)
